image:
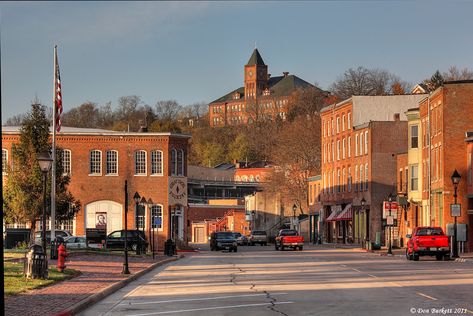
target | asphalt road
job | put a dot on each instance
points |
(317, 281)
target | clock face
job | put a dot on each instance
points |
(250, 73)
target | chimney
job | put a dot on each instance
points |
(143, 127)
(397, 117)
(285, 73)
(269, 76)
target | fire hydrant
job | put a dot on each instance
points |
(61, 259)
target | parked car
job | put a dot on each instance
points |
(428, 241)
(223, 240)
(289, 238)
(38, 235)
(135, 238)
(258, 237)
(241, 239)
(75, 242)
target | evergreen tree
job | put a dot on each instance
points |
(23, 190)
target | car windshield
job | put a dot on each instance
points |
(429, 232)
(288, 233)
(224, 235)
(259, 232)
(237, 235)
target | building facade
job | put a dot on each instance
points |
(261, 97)
(154, 165)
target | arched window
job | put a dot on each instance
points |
(111, 162)
(95, 162)
(157, 162)
(180, 162)
(366, 142)
(140, 162)
(66, 161)
(157, 216)
(173, 162)
(366, 176)
(4, 161)
(244, 178)
(257, 178)
(361, 177)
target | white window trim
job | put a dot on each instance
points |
(162, 218)
(146, 163)
(366, 142)
(174, 167)
(70, 162)
(106, 156)
(349, 146)
(90, 162)
(366, 177)
(361, 143)
(356, 145)
(162, 164)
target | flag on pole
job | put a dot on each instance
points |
(58, 97)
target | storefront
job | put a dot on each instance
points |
(340, 224)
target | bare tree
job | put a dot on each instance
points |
(168, 110)
(86, 116)
(15, 120)
(454, 73)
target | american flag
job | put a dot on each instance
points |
(58, 97)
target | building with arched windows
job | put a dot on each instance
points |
(100, 161)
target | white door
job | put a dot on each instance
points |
(111, 210)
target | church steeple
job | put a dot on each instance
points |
(256, 75)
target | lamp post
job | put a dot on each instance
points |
(143, 203)
(455, 180)
(390, 251)
(45, 161)
(363, 202)
(137, 199)
(125, 264)
(152, 224)
(294, 208)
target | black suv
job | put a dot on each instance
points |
(116, 239)
(223, 240)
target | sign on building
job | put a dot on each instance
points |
(177, 191)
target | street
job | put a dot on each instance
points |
(317, 281)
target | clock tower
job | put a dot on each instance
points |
(256, 76)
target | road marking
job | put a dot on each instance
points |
(427, 296)
(373, 276)
(211, 308)
(357, 270)
(199, 299)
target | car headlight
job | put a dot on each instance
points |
(219, 244)
(234, 243)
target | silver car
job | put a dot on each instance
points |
(258, 237)
(75, 242)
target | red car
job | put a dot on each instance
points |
(428, 241)
(289, 238)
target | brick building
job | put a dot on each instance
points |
(314, 189)
(261, 97)
(446, 115)
(100, 161)
(469, 181)
(361, 137)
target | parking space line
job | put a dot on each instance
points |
(198, 299)
(427, 296)
(211, 308)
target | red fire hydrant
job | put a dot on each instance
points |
(61, 257)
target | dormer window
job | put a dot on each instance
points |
(266, 92)
(236, 96)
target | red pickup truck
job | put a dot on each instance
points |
(289, 238)
(428, 241)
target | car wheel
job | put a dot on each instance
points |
(276, 247)
(439, 257)
(134, 246)
(300, 248)
(415, 256)
(282, 248)
(408, 256)
(235, 249)
(446, 257)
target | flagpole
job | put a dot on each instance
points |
(53, 171)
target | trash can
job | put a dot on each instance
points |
(36, 264)
(169, 248)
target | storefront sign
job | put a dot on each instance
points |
(177, 191)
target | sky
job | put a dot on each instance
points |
(195, 51)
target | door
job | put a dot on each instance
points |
(104, 214)
(199, 235)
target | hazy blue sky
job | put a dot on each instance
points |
(195, 51)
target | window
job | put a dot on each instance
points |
(344, 148)
(4, 161)
(338, 149)
(349, 179)
(470, 168)
(414, 136)
(66, 161)
(414, 177)
(400, 181)
(366, 143)
(366, 176)
(338, 125)
(343, 122)
(349, 146)
(140, 217)
(111, 163)
(173, 162)
(333, 181)
(95, 162)
(356, 145)
(361, 177)
(333, 151)
(323, 128)
(333, 128)
(349, 121)
(356, 178)
(140, 162)
(339, 182)
(180, 162)
(157, 213)
(361, 144)
(157, 162)
(344, 175)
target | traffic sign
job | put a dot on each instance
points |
(455, 210)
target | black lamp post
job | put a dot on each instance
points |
(390, 250)
(143, 202)
(152, 224)
(125, 264)
(455, 180)
(137, 199)
(45, 161)
(294, 209)
(363, 202)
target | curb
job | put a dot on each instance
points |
(82, 305)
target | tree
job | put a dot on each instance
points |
(454, 73)
(87, 115)
(23, 191)
(15, 120)
(168, 110)
(435, 81)
(308, 102)
(363, 81)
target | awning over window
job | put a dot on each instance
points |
(346, 214)
(336, 210)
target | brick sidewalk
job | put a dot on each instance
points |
(98, 273)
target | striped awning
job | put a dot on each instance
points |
(332, 216)
(346, 214)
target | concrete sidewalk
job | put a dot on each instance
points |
(100, 276)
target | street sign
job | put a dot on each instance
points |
(390, 220)
(455, 210)
(158, 221)
(390, 209)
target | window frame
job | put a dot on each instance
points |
(412, 137)
(108, 162)
(366, 142)
(91, 173)
(64, 151)
(144, 164)
(153, 226)
(4, 161)
(157, 164)
(173, 161)
(414, 180)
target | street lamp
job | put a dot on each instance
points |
(294, 209)
(125, 264)
(45, 161)
(150, 205)
(137, 199)
(390, 251)
(363, 202)
(456, 177)
(143, 202)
